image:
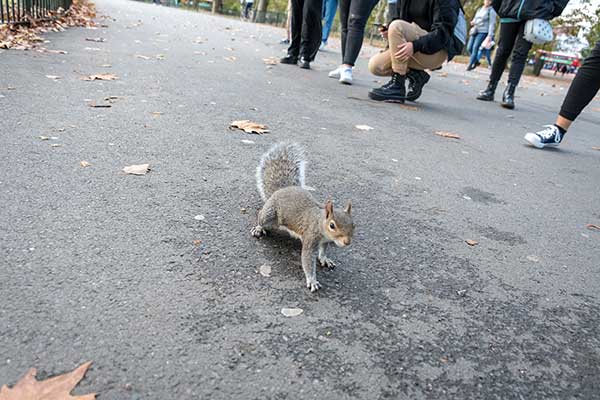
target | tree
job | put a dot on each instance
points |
(261, 11)
(217, 6)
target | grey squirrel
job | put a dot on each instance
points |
(290, 207)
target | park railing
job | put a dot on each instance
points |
(16, 11)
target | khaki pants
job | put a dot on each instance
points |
(399, 32)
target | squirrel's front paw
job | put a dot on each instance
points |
(313, 284)
(258, 231)
(327, 262)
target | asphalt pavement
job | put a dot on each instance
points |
(156, 279)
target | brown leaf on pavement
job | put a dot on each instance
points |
(53, 77)
(593, 227)
(84, 163)
(409, 108)
(472, 242)
(97, 39)
(447, 135)
(271, 60)
(100, 77)
(596, 148)
(142, 57)
(249, 127)
(232, 58)
(56, 388)
(443, 74)
(140, 169)
(94, 105)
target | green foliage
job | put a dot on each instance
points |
(593, 35)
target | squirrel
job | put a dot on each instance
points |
(291, 208)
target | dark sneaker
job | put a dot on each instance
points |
(550, 136)
(304, 63)
(416, 80)
(289, 59)
(393, 91)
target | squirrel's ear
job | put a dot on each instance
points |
(348, 208)
(328, 209)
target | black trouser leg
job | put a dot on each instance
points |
(357, 19)
(584, 87)
(296, 30)
(506, 42)
(344, 14)
(311, 29)
(519, 57)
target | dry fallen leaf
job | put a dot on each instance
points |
(231, 58)
(364, 127)
(443, 74)
(593, 227)
(56, 388)
(99, 77)
(290, 312)
(447, 135)
(140, 169)
(265, 270)
(53, 77)
(142, 57)
(197, 242)
(97, 39)
(94, 105)
(84, 163)
(249, 127)
(271, 60)
(157, 113)
(472, 242)
(409, 108)
(595, 148)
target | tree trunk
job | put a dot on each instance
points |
(217, 6)
(261, 11)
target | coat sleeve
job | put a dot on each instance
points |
(559, 6)
(492, 25)
(444, 20)
(496, 5)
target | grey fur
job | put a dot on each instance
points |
(282, 166)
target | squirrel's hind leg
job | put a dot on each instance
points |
(267, 219)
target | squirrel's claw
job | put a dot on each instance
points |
(313, 285)
(258, 231)
(327, 262)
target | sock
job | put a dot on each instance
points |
(561, 130)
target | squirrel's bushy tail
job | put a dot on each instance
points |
(282, 166)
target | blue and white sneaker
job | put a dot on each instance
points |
(550, 136)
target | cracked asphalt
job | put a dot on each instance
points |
(113, 268)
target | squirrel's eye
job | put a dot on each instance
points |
(331, 225)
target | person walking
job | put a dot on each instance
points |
(483, 27)
(329, 10)
(513, 16)
(486, 50)
(353, 18)
(422, 38)
(306, 32)
(583, 89)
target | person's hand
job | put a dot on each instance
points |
(383, 32)
(405, 51)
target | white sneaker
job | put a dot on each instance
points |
(335, 74)
(550, 136)
(346, 76)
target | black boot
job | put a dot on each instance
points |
(394, 90)
(289, 59)
(488, 93)
(416, 80)
(508, 98)
(304, 63)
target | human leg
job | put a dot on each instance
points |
(358, 14)
(517, 65)
(330, 8)
(311, 29)
(295, 29)
(344, 6)
(477, 40)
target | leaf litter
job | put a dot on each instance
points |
(449, 135)
(364, 127)
(99, 77)
(139, 169)
(290, 312)
(249, 127)
(55, 388)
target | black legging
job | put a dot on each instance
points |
(584, 87)
(353, 18)
(306, 28)
(511, 36)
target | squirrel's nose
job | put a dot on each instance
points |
(347, 241)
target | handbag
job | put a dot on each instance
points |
(538, 31)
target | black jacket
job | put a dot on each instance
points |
(438, 17)
(525, 10)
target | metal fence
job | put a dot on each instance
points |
(15, 11)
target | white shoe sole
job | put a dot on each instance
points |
(534, 140)
(346, 81)
(334, 75)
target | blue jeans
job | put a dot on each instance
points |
(473, 46)
(487, 53)
(328, 14)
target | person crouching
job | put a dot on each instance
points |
(418, 40)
